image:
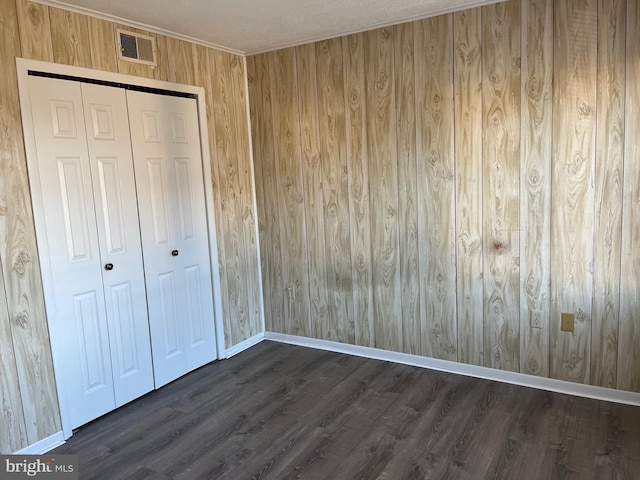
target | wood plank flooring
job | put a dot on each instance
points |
(279, 411)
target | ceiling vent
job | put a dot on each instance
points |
(135, 47)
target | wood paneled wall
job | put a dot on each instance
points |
(424, 187)
(28, 403)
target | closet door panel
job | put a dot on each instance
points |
(158, 201)
(83, 364)
(109, 146)
(164, 287)
(73, 203)
(168, 165)
(189, 211)
(198, 327)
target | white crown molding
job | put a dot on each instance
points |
(541, 383)
(129, 23)
(374, 26)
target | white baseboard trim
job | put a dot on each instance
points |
(541, 383)
(43, 446)
(242, 346)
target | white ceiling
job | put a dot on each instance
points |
(253, 26)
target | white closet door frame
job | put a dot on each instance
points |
(23, 68)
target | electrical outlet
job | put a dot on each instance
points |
(568, 322)
(536, 318)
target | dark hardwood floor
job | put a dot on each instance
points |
(279, 411)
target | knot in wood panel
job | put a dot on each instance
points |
(292, 191)
(572, 361)
(19, 266)
(382, 81)
(584, 110)
(516, 62)
(467, 55)
(469, 246)
(388, 253)
(236, 63)
(576, 163)
(21, 320)
(533, 87)
(390, 211)
(534, 178)
(34, 16)
(357, 190)
(354, 97)
(449, 349)
(532, 366)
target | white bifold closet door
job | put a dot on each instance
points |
(93, 241)
(125, 242)
(168, 163)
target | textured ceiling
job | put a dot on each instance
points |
(252, 26)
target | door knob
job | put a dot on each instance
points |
(108, 266)
(175, 253)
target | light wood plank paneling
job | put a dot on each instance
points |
(206, 75)
(161, 70)
(312, 188)
(335, 190)
(223, 77)
(180, 55)
(407, 187)
(383, 177)
(535, 203)
(501, 163)
(264, 155)
(286, 129)
(102, 43)
(468, 150)
(230, 214)
(70, 38)
(246, 204)
(435, 171)
(35, 30)
(535, 183)
(201, 69)
(358, 168)
(254, 81)
(629, 346)
(21, 269)
(133, 68)
(19, 289)
(9, 144)
(13, 436)
(574, 128)
(608, 175)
